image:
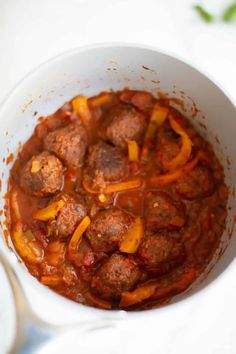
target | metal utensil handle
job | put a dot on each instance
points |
(32, 331)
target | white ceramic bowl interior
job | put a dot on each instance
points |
(89, 71)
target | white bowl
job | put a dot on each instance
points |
(91, 70)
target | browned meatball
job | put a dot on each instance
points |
(168, 145)
(42, 175)
(69, 144)
(106, 163)
(197, 184)
(117, 274)
(124, 123)
(163, 212)
(68, 217)
(160, 253)
(108, 229)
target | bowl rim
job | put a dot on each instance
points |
(32, 280)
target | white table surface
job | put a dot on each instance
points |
(31, 31)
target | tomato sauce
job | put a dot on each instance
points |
(111, 224)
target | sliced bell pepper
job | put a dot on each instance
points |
(158, 116)
(97, 301)
(173, 176)
(78, 234)
(133, 150)
(80, 106)
(30, 251)
(51, 280)
(122, 186)
(50, 211)
(186, 148)
(140, 294)
(114, 187)
(133, 238)
(14, 204)
(100, 100)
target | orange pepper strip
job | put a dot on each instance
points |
(140, 294)
(50, 211)
(173, 176)
(100, 100)
(186, 148)
(14, 204)
(80, 105)
(97, 301)
(158, 116)
(30, 251)
(78, 234)
(132, 240)
(114, 187)
(133, 150)
(122, 186)
(51, 280)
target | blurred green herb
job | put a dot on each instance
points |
(205, 15)
(230, 13)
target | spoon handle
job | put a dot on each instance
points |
(31, 330)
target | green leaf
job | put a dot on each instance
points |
(230, 13)
(205, 15)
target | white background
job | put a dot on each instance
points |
(31, 31)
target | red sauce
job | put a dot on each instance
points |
(182, 220)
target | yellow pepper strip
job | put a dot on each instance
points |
(50, 211)
(173, 176)
(186, 148)
(133, 150)
(80, 105)
(132, 240)
(104, 98)
(35, 167)
(140, 294)
(97, 301)
(51, 280)
(158, 116)
(78, 234)
(30, 251)
(112, 188)
(122, 186)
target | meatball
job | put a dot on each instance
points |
(68, 217)
(124, 123)
(108, 228)
(117, 274)
(69, 144)
(167, 144)
(42, 175)
(197, 184)
(106, 163)
(163, 212)
(160, 253)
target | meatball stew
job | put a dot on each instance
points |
(116, 201)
